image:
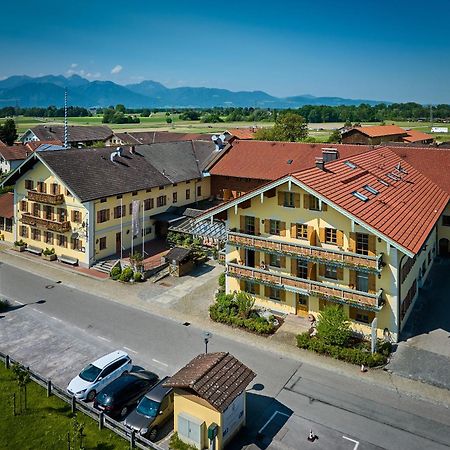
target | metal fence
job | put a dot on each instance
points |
(135, 440)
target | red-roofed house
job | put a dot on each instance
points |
(361, 231)
(241, 133)
(12, 156)
(374, 135)
(418, 137)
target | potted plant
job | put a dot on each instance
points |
(49, 254)
(20, 245)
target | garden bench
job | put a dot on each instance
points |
(35, 250)
(68, 260)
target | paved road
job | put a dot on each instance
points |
(57, 329)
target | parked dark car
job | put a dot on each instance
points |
(123, 394)
(154, 409)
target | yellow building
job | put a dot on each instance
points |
(7, 216)
(361, 232)
(90, 204)
(209, 399)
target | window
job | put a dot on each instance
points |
(289, 201)
(2, 223)
(54, 188)
(161, 188)
(102, 243)
(148, 190)
(103, 200)
(41, 187)
(370, 189)
(429, 257)
(188, 181)
(249, 225)
(102, 215)
(174, 197)
(175, 184)
(188, 194)
(331, 272)
(362, 244)
(148, 204)
(76, 244)
(29, 185)
(362, 281)
(8, 225)
(275, 294)
(199, 191)
(48, 212)
(360, 315)
(62, 240)
(62, 214)
(23, 231)
(148, 230)
(68, 193)
(360, 196)
(314, 203)
(302, 231)
(350, 164)
(76, 216)
(302, 269)
(35, 234)
(119, 196)
(161, 200)
(275, 260)
(23, 206)
(250, 287)
(330, 236)
(119, 211)
(446, 221)
(275, 227)
(36, 210)
(48, 237)
(134, 193)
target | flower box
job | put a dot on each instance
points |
(51, 257)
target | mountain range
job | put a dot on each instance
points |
(44, 91)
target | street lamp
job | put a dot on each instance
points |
(206, 337)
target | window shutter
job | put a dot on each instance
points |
(72, 216)
(340, 273)
(257, 226)
(293, 230)
(242, 222)
(267, 226)
(339, 238)
(352, 242)
(107, 214)
(242, 255)
(242, 285)
(280, 198)
(372, 245)
(257, 289)
(322, 235)
(324, 206)
(322, 270)
(257, 259)
(297, 200)
(282, 228)
(311, 235)
(266, 291)
(352, 280)
(312, 272)
(372, 283)
(282, 261)
(306, 201)
(352, 313)
(294, 265)
(282, 295)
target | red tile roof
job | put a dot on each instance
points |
(242, 133)
(15, 152)
(405, 211)
(7, 205)
(266, 160)
(380, 130)
(416, 136)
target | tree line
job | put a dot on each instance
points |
(50, 111)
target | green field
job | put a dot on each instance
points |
(157, 122)
(45, 424)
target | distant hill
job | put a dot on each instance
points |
(49, 90)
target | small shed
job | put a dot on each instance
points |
(180, 261)
(209, 399)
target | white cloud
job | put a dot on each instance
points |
(116, 69)
(73, 65)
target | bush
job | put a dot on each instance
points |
(20, 243)
(222, 281)
(4, 304)
(138, 277)
(333, 326)
(126, 274)
(115, 272)
(48, 251)
(176, 443)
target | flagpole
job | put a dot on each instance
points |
(143, 230)
(121, 228)
(132, 228)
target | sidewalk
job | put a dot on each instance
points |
(187, 299)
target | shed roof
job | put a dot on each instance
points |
(217, 378)
(177, 254)
(7, 205)
(379, 130)
(417, 136)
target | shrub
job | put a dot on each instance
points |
(245, 303)
(115, 272)
(138, 277)
(176, 443)
(20, 243)
(126, 274)
(4, 304)
(222, 281)
(333, 326)
(48, 251)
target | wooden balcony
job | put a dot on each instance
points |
(318, 254)
(50, 225)
(51, 199)
(364, 300)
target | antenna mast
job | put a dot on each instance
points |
(66, 130)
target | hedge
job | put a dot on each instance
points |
(347, 354)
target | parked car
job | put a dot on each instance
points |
(97, 375)
(155, 408)
(124, 393)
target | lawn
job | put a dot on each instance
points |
(46, 422)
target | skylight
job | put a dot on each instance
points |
(393, 177)
(384, 183)
(290, 161)
(350, 164)
(360, 196)
(370, 189)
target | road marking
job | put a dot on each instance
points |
(352, 440)
(130, 349)
(103, 338)
(55, 318)
(37, 310)
(20, 303)
(159, 362)
(271, 418)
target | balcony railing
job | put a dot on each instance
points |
(51, 199)
(348, 259)
(364, 300)
(50, 225)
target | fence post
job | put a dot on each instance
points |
(68, 441)
(74, 404)
(49, 388)
(101, 420)
(14, 404)
(132, 439)
(7, 361)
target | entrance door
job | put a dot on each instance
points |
(302, 305)
(443, 247)
(250, 258)
(118, 242)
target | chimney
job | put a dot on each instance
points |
(320, 163)
(132, 149)
(119, 151)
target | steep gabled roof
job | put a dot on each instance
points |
(379, 130)
(77, 133)
(14, 152)
(7, 205)
(157, 137)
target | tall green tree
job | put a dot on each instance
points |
(289, 126)
(8, 132)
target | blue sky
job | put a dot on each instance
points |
(387, 50)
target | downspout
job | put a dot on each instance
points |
(399, 293)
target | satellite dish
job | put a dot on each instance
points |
(222, 137)
(214, 138)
